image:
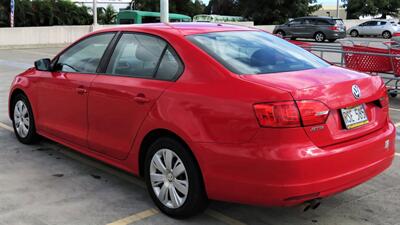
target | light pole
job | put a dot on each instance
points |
(12, 8)
(337, 9)
(164, 11)
(94, 12)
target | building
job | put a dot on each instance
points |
(331, 11)
(116, 4)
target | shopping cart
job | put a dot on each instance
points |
(375, 58)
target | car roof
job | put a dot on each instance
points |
(319, 17)
(180, 28)
(379, 20)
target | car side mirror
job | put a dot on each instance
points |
(43, 64)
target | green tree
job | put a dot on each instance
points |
(44, 13)
(187, 7)
(4, 14)
(223, 7)
(106, 15)
(275, 12)
(357, 8)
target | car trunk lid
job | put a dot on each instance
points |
(333, 87)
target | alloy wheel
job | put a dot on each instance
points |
(386, 35)
(319, 37)
(21, 119)
(354, 33)
(169, 178)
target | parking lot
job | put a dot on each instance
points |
(51, 184)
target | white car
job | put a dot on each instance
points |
(382, 28)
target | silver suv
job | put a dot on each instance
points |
(318, 28)
(382, 28)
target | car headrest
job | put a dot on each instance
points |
(147, 54)
(263, 57)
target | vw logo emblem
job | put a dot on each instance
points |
(356, 91)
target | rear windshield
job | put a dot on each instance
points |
(256, 52)
(339, 22)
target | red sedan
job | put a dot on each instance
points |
(209, 111)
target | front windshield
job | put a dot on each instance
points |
(256, 52)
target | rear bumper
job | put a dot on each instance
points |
(276, 171)
(336, 35)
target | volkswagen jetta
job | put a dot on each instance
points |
(209, 111)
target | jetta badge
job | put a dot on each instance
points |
(356, 91)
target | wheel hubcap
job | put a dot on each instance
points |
(386, 35)
(320, 37)
(169, 178)
(21, 119)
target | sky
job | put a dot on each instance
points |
(323, 2)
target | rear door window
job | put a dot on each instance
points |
(371, 23)
(136, 55)
(144, 56)
(322, 22)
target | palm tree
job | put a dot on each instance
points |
(106, 15)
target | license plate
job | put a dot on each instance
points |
(354, 116)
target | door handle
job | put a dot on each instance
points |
(81, 90)
(141, 98)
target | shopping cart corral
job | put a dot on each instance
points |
(375, 58)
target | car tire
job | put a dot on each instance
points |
(319, 37)
(281, 33)
(386, 34)
(23, 120)
(354, 33)
(177, 195)
(332, 40)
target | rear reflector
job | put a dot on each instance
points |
(288, 114)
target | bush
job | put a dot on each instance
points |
(44, 13)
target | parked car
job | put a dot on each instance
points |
(318, 28)
(209, 111)
(383, 28)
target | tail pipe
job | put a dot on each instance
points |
(312, 204)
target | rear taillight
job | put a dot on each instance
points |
(384, 102)
(291, 114)
(313, 112)
(280, 114)
(333, 28)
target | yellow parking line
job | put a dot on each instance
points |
(398, 110)
(5, 126)
(223, 218)
(136, 217)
